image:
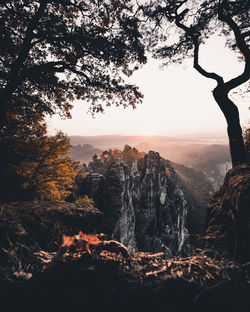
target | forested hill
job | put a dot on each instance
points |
(209, 156)
(83, 153)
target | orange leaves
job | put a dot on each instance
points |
(92, 239)
(78, 241)
(68, 241)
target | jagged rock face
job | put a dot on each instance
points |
(144, 206)
(159, 203)
(115, 200)
(228, 230)
(91, 184)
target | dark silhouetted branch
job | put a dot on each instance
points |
(242, 46)
(194, 38)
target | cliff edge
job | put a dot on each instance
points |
(228, 222)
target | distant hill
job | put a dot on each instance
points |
(84, 153)
(117, 141)
(201, 154)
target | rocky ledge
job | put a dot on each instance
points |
(228, 231)
(107, 281)
(28, 229)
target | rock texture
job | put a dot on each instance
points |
(228, 230)
(197, 191)
(159, 203)
(144, 207)
(29, 228)
(141, 282)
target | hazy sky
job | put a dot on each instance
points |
(177, 101)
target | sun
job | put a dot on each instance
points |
(146, 129)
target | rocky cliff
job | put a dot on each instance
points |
(144, 206)
(228, 230)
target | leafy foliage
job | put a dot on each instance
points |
(128, 155)
(85, 202)
(180, 25)
(53, 52)
(32, 163)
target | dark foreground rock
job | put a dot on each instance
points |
(28, 229)
(107, 281)
(228, 231)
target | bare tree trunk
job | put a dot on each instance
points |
(231, 113)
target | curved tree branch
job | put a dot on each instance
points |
(27, 42)
(196, 64)
(200, 69)
(52, 67)
(242, 46)
(14, 77)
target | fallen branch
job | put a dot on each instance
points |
(161, 270)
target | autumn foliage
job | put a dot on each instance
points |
(79, 241)
(33, 164)
(128, 155)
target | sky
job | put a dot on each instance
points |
(177, 101)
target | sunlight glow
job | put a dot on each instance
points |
(177, 101)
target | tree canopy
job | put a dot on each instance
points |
(55, 51)
(175, 30)
(33, 164)
(128, 155)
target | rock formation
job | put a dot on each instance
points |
(144, 207)
(28, 229)
(228, 231)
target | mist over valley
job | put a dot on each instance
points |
(208, 155)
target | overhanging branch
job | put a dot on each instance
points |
(242, 46)
(201, 70)
(196, 64)
(52, 67)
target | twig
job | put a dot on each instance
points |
(161, 270)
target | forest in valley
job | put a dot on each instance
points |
(137, 222)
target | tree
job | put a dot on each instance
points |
(32, 164)
(189, 24)
(130, 155)
(55, 51)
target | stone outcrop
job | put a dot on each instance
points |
(108, 281)
(117, 204)
(144, 207)
(228, 230)
(28, 229)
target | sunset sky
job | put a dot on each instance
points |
(177, 101)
